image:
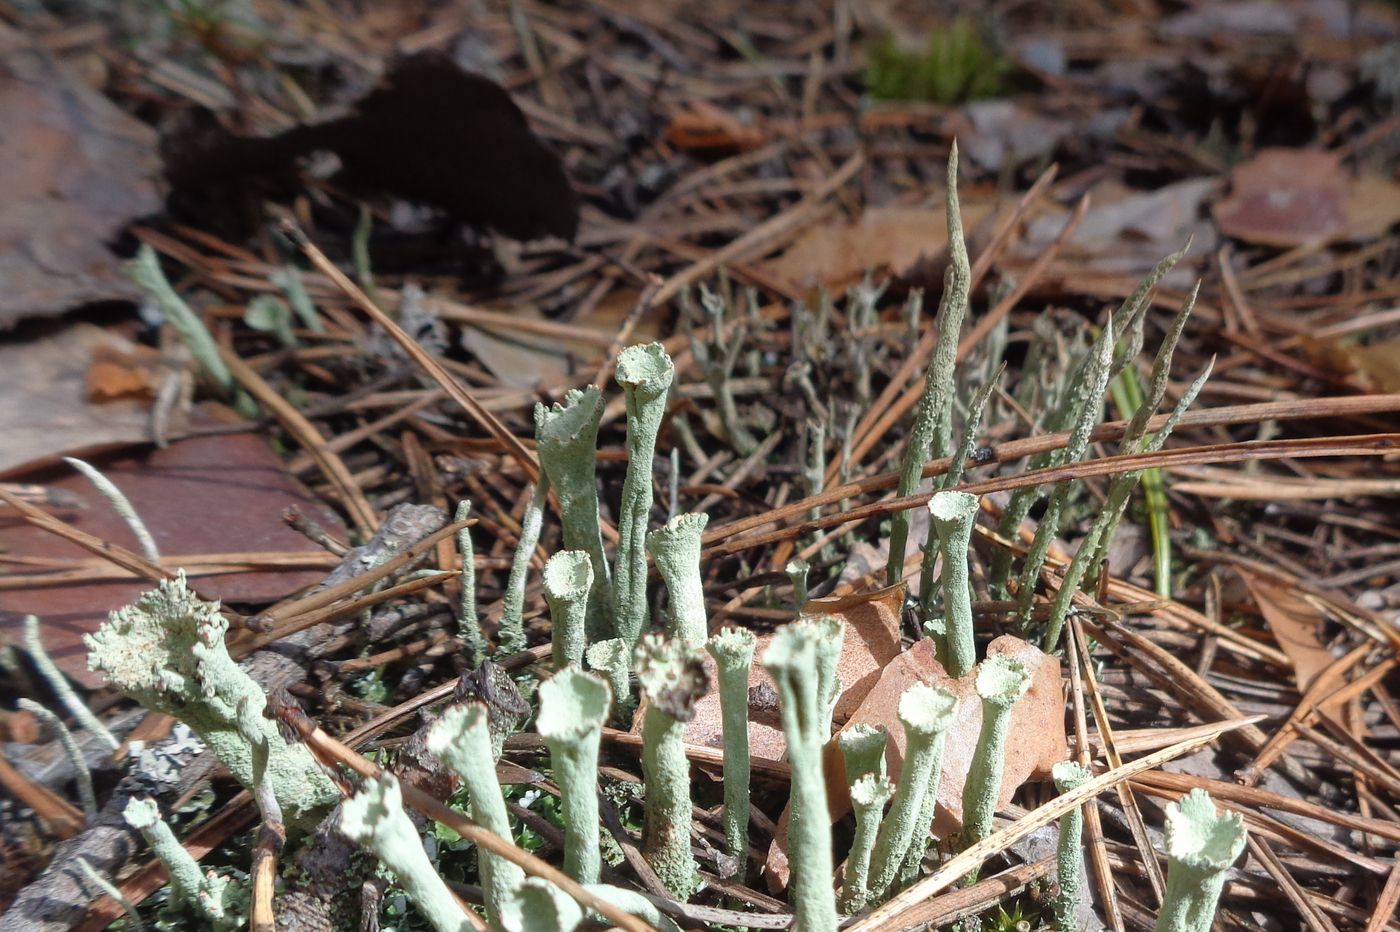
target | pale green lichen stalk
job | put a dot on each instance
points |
(568, 579)
(81, 774)
(34, 644)
(868, 797)
(462, 740)
(673, 679)
(926, 712)
(1201, 845)
(468, 620)
(167, 652)
(796, 570)
(733, 650)
(675, 548)
(1000, 682)
(573, 708)
(512, 630)
(951, 519)
(1069, 855)
(645, 373)
(931, 436)
(613, 659)
(375, 818)
(829, 634)
(208, 894)
(120, 504)
(792, 660)
(566, 437)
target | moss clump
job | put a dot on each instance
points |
(957, 64)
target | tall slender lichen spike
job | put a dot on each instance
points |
(81, 774)
(675, 548)
(926, 712)
(793, 661)
(120, 504)
(167, 652)
(461, 739)
(1069, 860)
(58, 682)
(672, 678)
(733, 650)
(645, 373)
(568, 580)
(952, 517)
(511, 633)
(375, 818)
(1201, 845)
(567, 440)
(468, 621)
(932, 434)
(1000, 682)
(573, 708)
(796, 570)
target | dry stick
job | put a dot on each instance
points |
(1323, 408)
(762, 237)
(887, 916)
(1387, 901)
(126, 559)
(509, 442)
(332, 751)
(1363, 445)
(921, 351)
(331, 612)
(943, 911)
(306, 434)
(1098, 852)
(1110, 746)
(1313, 700)
(1275, 868)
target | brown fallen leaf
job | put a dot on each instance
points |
(703, 128)
(1294, 623)
(872, 641)
(1297, 197)
(1035, 742)
(1375, 367)
(77, 170)
(884, 240)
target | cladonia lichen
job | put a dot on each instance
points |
(1000, 682)
(952, 516)
(568, 579)
(167, 652)
(733, 650)
(1069, 860)
(675, 548)
(573, 708)
(1201, 845)
(209, 894)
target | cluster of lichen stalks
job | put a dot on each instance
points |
(167, 651)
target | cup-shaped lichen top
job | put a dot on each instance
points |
(927, 710)
(1069, 866)
(1000, 682)
(645, 374)
(567, 439)
(573, 708)
(167, 652)
(539, 906)
(672, 676)
(1200, 837)
(953, 515)
(568, 579)
(1201, 845)
(863, 750)
(676, 549)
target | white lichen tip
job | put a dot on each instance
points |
(568, 575)
(141, 814)
(645, 367)
(680, 529)
(671, 675)
(142, 645)
(871, 791)
(572, 704)
(927, 709)
(362, 815)
(540, 906)
(563, 424)
(1200, 837)
(793, 648)
(731, 641)
(1002, 680)
(952, 507)
(445, 737)
(1070, 775)
(612, 654)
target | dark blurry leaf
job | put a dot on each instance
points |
(429, 133)
(76, 170)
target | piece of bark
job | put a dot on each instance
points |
(59, 897)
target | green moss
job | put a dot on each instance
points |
(957, 64)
